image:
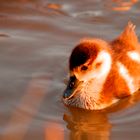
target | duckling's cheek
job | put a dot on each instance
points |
(78, 76)
(83, 76)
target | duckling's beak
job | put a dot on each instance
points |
(69, 91)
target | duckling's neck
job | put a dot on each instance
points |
(96, 85)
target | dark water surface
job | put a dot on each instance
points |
(36, 38)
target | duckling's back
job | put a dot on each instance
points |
(126, 49)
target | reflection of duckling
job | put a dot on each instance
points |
(87, 125)
(101, 73)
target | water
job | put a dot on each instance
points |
(36, 39)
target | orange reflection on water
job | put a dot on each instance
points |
(19, 122)
(54, 131)
(53, 6)
(123, 5)
(87, 125)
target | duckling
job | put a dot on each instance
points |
(102, 73)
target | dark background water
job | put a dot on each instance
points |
(36, 39)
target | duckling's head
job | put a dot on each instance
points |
(89, 64)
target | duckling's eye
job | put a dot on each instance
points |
(84, 68)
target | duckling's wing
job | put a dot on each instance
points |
(127, 40)
(129, 34)
(126, 50)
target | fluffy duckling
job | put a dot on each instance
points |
(103, 72)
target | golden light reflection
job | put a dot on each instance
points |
(87, 125)
(54, 6)
(31, 100)
(54, 131)
(123, 5)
